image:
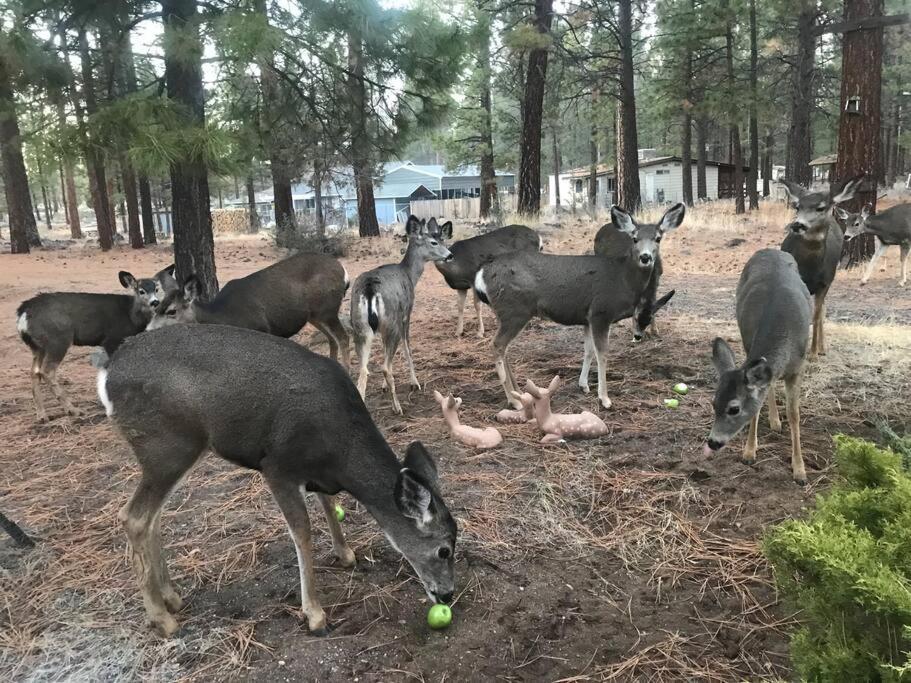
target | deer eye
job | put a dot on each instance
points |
(444, 553)
(171, 312)
(734, 410)
(820, 209)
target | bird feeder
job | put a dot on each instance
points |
(852, 106)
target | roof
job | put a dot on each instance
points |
(824, 160)
(604, 169)
(439, 170)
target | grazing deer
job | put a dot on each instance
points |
(891, 227)
(559, 426)
(51, 323)
(381, 302)
(470, 254)
(815, 241)
(592, 291)
(279, 300)
(612, 242)
(773, 314)
(270, 405)
(475, 437)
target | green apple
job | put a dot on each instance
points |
(672, 403)
(681, 388)
(439, 616)
(339, 513)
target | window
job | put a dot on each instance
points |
(476, 192)
(663, 171)
(578, 186)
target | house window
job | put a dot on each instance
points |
(663, 171)
(477, 192)
(310, 203)
(578, 186)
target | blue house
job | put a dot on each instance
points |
(399, 185)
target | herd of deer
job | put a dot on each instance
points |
(235, 385)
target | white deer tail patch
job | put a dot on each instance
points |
(22, 323)
(346, 278)
(480, 287)
(540, 243)
(103, 392)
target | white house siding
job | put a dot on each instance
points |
(667, 185)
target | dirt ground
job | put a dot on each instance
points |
(632, 557)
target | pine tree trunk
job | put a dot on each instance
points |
(128, 180)
(736, 151)
(112, 194)
(529, 200)
(686, 154)
(66, 210)
(194, 247)
(15, 177)
(556, 161)
(360, 143)
(47, 206)
(489, 196)
(593, 169)
(767, 163)
(859, 134)
(318, 197)
(753, 177)
(94, 160)
(702, 191)
(803, 96)
(628, 189)
(145, 206)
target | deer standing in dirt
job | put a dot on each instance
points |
(382, 300)
(475, 437)
(470, 254)
(266, 404)
(279, 299)
(891, 227)
(591, 291)
(815, 240)
(51, 323)
(561, 426)
(773, 314)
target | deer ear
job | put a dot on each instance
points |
(672, 218)
(795, 191)
(446, 230)
(848, 189)
(841, 213)
(532, 389)
(458, 402)
(127, 279)
(722, 356)
(437, 396)
(413, 496)
(554, 384)
(418, 460)
(169, 270)
(432, 227)
(758, 374)
(191, 288)
(866, 211)
(623, 221)
(519, 397)
(412, 225)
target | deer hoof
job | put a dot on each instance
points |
(584, 387)
(775, 426)
(74, 412)
(863, 283)
(346, 557)
(173, 602)
(318, 625)
(606, 403)
(165, 624)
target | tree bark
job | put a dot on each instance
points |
(489, 196)
(15, 177)
(803, 95)
(859, 134)
(72, 201)
(194, 246)
(145, 207)
(686, 154)
(593, 168)
(753, 177)
(252, 213)
(768, 163)
(556, 161)
(529, 200)
(318, 197)
(94, 159)
(628, 190)
(701, 140)
(66, 210)
(360, 143)
(47, 206)
(128, 180)
(736, 149)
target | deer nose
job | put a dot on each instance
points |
(714, 444)
(797, 228)
(645, 259)
(444, 597)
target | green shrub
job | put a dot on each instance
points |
(847, 569)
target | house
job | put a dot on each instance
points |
(660, 181)
(823, 168)
(399, 184)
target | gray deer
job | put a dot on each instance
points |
(381, 302)
(592, 291)
(891, 227)
(266, 404)
(470, 254)
(279, 299)
(51, 323)
(815, 241)
(773, 314)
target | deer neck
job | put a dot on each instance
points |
(542, 412)
(412, 264)
(140, 314)
(452, 419)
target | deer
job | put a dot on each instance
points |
(587, 290)
(475, 437)
(773, 315)
(50, 323)
(613, 243)
(815, 241)
(525, 415)
(382, 300)
(279, 300)
(267, 404)
(559, 427)
(470, 254)
(891, 227)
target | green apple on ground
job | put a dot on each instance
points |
(439, 616)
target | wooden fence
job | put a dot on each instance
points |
(464, 208)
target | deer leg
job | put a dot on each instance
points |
(792, 389)
(821, 321)
(49, 372)
(333, 343)
(774, 419)
(509, 330)
(477, 309)
(339, 546)
(172, 600)
(335, 329)
(460, 323)
(653, 328)
(601, 338)
(412, 376)
(291, 501)
(905, 257)
(362, 346)
(880, 250)
(586, 360)
(37, 362)
(749, 449)
(390, 346)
